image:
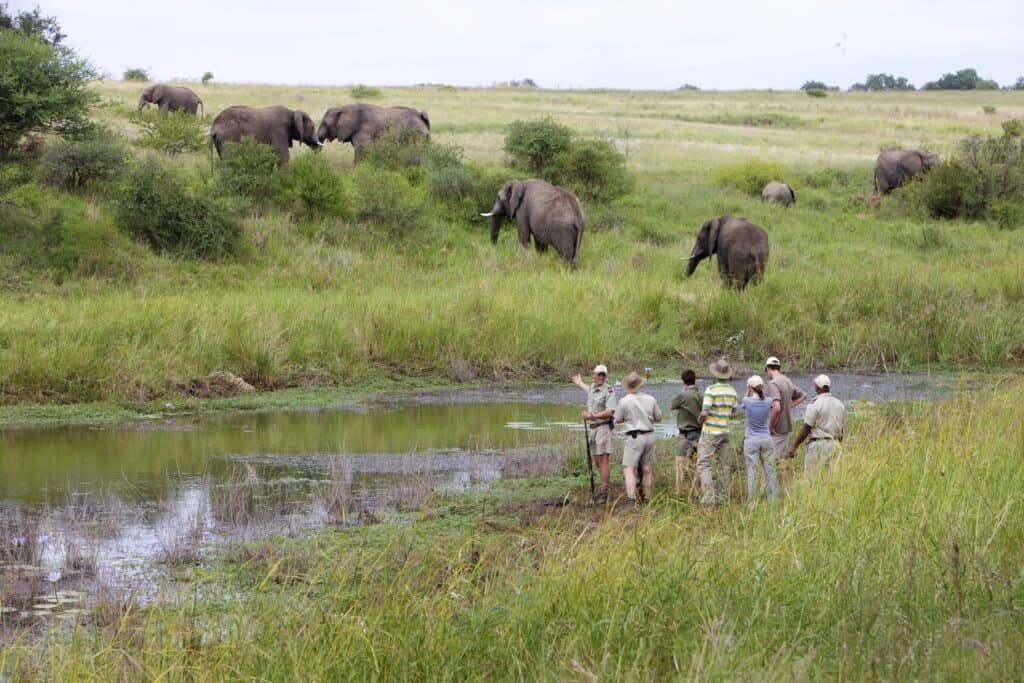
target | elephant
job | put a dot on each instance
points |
(274, 126)
(552, 215)
(780, 193)
(360, 123)
(171, 98)
(896, 166)
(742, 249)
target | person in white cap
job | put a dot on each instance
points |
(825, 424)
(600, 416)
(789, 396)
(638, 412)
(758, 449)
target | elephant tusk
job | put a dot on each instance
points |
(487, 215)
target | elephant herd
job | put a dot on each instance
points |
(549, 216)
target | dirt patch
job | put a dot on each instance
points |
(218, 384)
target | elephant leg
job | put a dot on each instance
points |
(281, 150)
(540, 247)
(524, 233)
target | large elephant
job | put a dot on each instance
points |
(274, 126)
(742, 249)
(780, 193)
(896, 166)
(171, 98)
(551, 215)
(360, 123)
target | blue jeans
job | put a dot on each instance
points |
(760, 449)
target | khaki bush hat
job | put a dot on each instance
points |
(633, 381)
(721, 369)
(822, 382)
(601, 369)
(755, 381)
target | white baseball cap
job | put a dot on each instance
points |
(822, 381)
(755, 381)
(772, 360)
(601, 370)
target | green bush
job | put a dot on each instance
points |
(247, 168)
(749, 177)
(1013, 128)
(816, 92)
(533, 145)
(984, 175)
(594, 169)
(1007, 215)
(449, 180)
(385, 199)
(73, 164)
(989, 109)
(135, 74)
(310, 188)
(156, 204)
(398, 149)
(365, 92)
(60, 235)
(207, 77)
(171, 132)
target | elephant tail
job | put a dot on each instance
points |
(579, 238)
(425, 119)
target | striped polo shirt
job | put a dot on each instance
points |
(719, 402)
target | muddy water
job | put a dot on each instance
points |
(103, 501)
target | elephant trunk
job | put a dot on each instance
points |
(323, 134)
(496, 222)
(695, 258)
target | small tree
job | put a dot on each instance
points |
(135, 74)
(1019, 85)
(814, 85)
(965, 79)
(533, 144)
(32, 24)
(43, 87)
(207, 77)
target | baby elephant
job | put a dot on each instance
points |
(896, 166)
(551, 215)
(171, 98)
(742, 249)
(780, 193)
(274, 126)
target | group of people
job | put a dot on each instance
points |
(704, 430)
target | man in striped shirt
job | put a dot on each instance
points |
(718, 406)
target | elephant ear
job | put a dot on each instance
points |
(299, 124)
(713, 226)
(515, 197)
(792, 192)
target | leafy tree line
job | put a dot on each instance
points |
(964, 79)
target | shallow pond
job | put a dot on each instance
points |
(104, 500)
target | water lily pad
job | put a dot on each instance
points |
(8, 610)
(44, 606)
(69, 595)
(72, 613)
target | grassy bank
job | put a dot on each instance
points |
(903, 564)
(315, 302)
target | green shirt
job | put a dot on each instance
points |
(719, 402)
(687, 406)
(600, 399)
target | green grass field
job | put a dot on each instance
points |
(314, 303)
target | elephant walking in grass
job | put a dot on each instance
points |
(896, 166)
(361, 123)
(171, 98)
(741, 246)
(552, 216)
(779, 193)
(274, 126)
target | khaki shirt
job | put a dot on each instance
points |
(782, 388)
(600, 399)
(638, 412)
(687, 406)
(826, 416)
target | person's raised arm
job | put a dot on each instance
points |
(798, 398)
(577, 379)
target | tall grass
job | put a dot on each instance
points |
(902, 564)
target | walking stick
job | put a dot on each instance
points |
(590, 460)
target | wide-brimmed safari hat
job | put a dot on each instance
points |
(633, 381)
(720, 369)
(601, 369)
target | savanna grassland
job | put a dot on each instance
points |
(322, 301)
(904, 564)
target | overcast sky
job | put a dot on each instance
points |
(722, 44)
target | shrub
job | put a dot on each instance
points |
(1013, 128)
(989, 109)
(156, 204)
(984, 174)
(814, 85)
(385, 199)
(815, 92)
(247, 168)
(1007, 215)
(207, 77)
(398, 149)
(448, 179)
(310, 188)
(135, 74)
(45, 89)
(965, 79)
(73, 164)
(365, 92)
(593, 169)
(749, 177)
(171, 132)
(533, 145)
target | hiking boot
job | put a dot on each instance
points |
(602, 497)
